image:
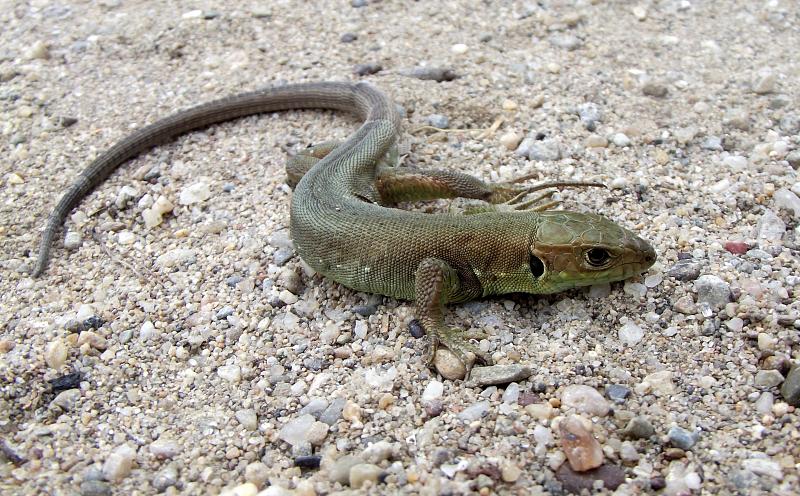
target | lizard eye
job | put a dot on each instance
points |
(537, 267)
(597, 257)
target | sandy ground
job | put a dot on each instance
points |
(201, 346)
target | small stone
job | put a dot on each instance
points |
(95, 488)
(764, 82)
(681, 438)
(317, 433)
(787, 200)
(126, 238)
(147, 331)
(438, 121)
(579, 482)
(55, 354)
(617, 393)
(654, 89)
(362, 473)
(256, 473)
(596, 141)
(433, 391)
(448, 365)
(736, 247)
(712, 290)
(438, 74)
(66, 400)
(165, 478)
(164, 448)
(475, 411)
(308, 461)
(684, 270)
(339, 471)
(767, 379)
(295, 432)
(713, 143)
(348, 37)
(590, 114)
(766, 342)
(585, 399)
(639, 428)
(566, 41)
(334, 411)
(119, 463)
(378, 452)
(794, 159)
(359, 3)
(230, 373)
(659, 383)
(770, 227)
(511, 140)
(790, 390)
(628, 453)
(176, 257)
(367, 69)
(459, 48)
(544, 150)
(248, 418)
(737, 118)
(540, 411)
(38, 50)
(630, 334)
(763, 466)
(621, 140)
(14, 178)
(499, 374)
(195, 193)
(72, 240)
(582, 449)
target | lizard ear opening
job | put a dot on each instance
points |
(537, 266)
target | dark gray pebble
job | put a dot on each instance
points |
(348, 38)
(684, 271)
(367, 69)
(575, 482)
(618, 393)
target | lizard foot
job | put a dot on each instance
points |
(511, 195)
(456, 340)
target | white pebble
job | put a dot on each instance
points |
(163, 448)
(126, 238)
(119, 463)
(585, 399)
(231, 373)
(653, 280)
(619, 183)
(56, 354)
(621, 140)
(735, 162)
(147, 331)
(195, 193)
(72, 241)
(510, 140)
(630, 333)
(459, 48)
(433, 391)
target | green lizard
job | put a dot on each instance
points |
(342, 227)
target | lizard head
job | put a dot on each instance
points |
(571, 249)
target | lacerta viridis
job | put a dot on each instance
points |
(342, 227)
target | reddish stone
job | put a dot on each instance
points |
(737, 247)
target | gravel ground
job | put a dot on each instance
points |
(177, 345)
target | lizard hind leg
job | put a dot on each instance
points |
(300, 163)
(435, 283)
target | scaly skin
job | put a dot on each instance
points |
(342, 227)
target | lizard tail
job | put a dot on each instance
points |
(358, 98)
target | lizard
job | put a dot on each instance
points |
(344, 226)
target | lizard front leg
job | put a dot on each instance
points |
(436, 282)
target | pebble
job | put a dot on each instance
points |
(195, 193)
(72, 240)
(164, 448)
(639, 428)
(433, 391)
(165, 478)
(544, 150)
(362, 473)
(119, 463)
(659, 383)
(590, 114)
(794, 159)
(790, 390)
(367, 69)
(339, 471)
(176, 257)
(95, 488)
(655, 89)
(737, 118)
(359, 3)
(438, 121)
(767, 379)
(764, 82)
(510, 140)
(684, 270)
(55, 354)
(763, 466)
(334, 411)
(147, 331)
(566, 41)
(582, 449)
(67, 400)
(585, 399)
(248, 418)
(499, 374)
(475, 411)
(459, 48)
(348, 37)
(712, 290)
(38, 50)
(540, 411)
(766, 342)
(713, 143)
(595, 141)
(681, 438)
(585, 482)
(438, 74)
(630, 334)
(628, 453)
(621, 140)
(770, 227)
(787, 200)
(448, 365)
(308, 461)
(230, 373)
(617, 393)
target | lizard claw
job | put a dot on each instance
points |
(512, 196)
(456, 340)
